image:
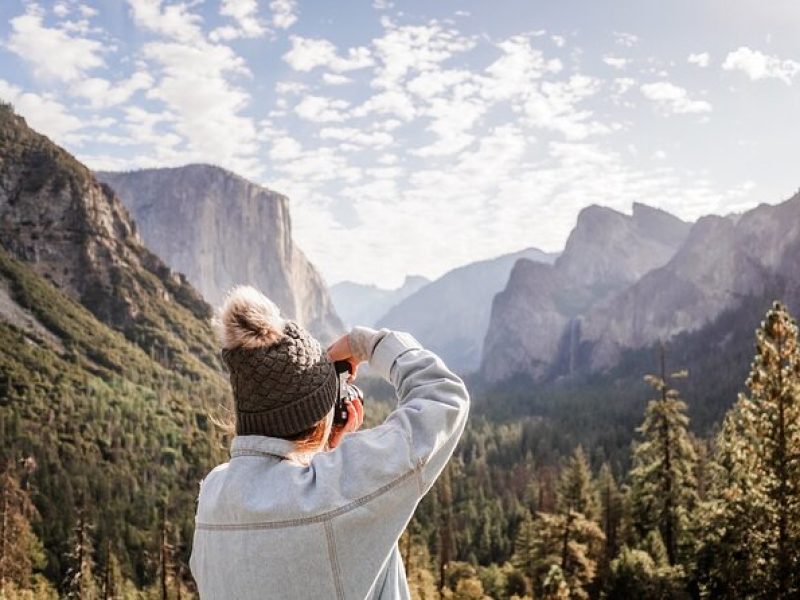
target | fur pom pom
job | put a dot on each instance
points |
(248, 319)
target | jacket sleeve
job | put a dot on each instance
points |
(433, 402)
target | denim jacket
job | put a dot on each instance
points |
(267, 527)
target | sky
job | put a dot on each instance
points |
(415, 137)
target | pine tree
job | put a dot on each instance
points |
(446, 537)
(524, 558)
(570, 542)
(664, 487)
(165, 554)
(80, 583)
(20, 550)
(575, 491)
(752, 518)
(611, 514)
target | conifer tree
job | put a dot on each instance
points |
(570, 542)
(524, 558)
(752, 519)
(575, 491)
(610, 514)
(20, 549)
(80, 583)
(446, 537)
(663, 482)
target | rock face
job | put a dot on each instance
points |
(221, 230)
(71, 229)
(359, 304)
(451, 314)
(723, 260)
(535, 325)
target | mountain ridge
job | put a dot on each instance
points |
(605, 252)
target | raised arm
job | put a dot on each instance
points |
(433, 402)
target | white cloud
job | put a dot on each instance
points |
(701, 59)
(102, 93)
(87, 11)
(670, 98)
(555, 107)
(377, 139)
(626, 39)
(403, 50)
(518, 69)
(173, 21)
(321, 110)
(393, 103)
(616, 61)
(306, 54)
(452, 122)
(757, 65)
(290, 87)
(285, 148)
(623, 84)
(284, 13)
(334, 79)
(245, 14)
(194, 84)
(53, 53)
(43, 113)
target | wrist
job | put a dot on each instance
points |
(363, 341)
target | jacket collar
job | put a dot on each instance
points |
(257, 445)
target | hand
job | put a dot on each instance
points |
(355, 418)
(341, 350)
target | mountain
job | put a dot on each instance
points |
(534, 324)
(450, 315)
(360, 304)
(72, 230)
(108, 367)
(724, 260)
(221, 230)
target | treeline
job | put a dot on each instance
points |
(98, 488)
(691, 518)
(97, 438)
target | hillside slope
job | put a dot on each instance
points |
(108, 365)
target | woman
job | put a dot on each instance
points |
(304, 509)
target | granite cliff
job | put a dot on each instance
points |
(221, 230)
(536, 321)
(723, 261)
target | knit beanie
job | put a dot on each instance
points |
(283, 382)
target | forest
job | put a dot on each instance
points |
(98, 495)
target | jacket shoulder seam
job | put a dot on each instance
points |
(315, 518)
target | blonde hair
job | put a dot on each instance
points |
(306, 443)
(314, 439)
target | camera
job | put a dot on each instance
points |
(346, 392)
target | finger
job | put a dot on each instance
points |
(340, 349)
(353, 371)
(336, 437)
(359, 406)
(352, 417)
